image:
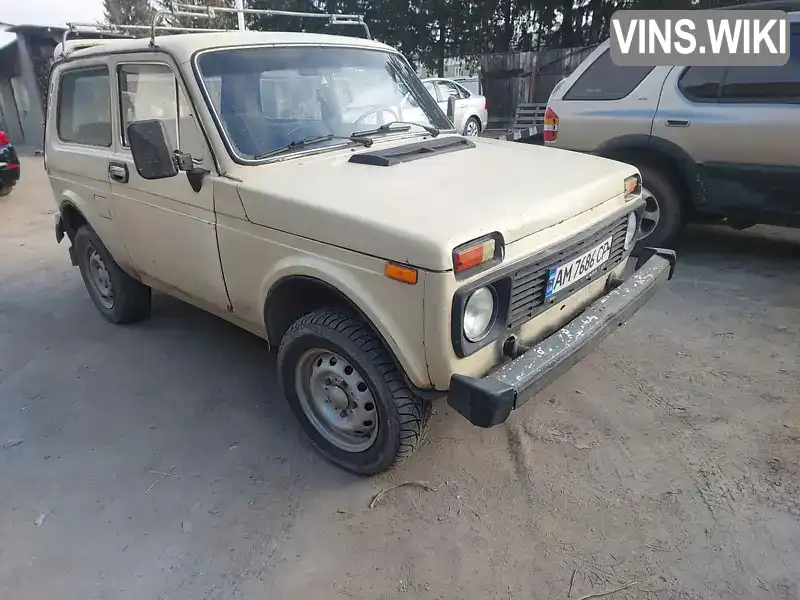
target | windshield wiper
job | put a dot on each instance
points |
(387, 128)
(311, 141)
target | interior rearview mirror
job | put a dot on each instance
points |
(151, 152)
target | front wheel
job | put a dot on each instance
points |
(348, 394)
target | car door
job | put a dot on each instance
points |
(741, 126)
(169, 230)
(79, 143)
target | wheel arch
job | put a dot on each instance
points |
(663, 155)
(477, 118)
(293, 295)
(72, 217)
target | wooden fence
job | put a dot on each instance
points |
(517, 78)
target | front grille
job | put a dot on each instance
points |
(528, 283)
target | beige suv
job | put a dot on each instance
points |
(708, 141)
(229, 170)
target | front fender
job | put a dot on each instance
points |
(394, 309)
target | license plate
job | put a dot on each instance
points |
(565, 275)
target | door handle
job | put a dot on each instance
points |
(118, 171)
(677, 122)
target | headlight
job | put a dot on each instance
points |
(478, 314)
(630, 232)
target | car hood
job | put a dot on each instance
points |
(416, 212)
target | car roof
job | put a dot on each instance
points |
(183, 46)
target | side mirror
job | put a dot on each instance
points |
(451, 109)
(151, 153)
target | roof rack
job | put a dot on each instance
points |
(106, 31)
(178, 9)
(193, 11)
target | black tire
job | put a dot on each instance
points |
(131, 299)
(671, 208)
(475, 122)
(402, 415)
(5, 190)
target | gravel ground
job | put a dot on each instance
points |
(669, 460)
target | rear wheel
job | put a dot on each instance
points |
(118, 296)
(472, 128)
(348, 394)
(5, 190)
(663, 212)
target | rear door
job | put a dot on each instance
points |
(741, 126)
(447, 89)
(169, 230)
(602, 101)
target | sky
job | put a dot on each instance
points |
(47, 12)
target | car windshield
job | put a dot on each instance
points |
(268, 97)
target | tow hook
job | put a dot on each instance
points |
(513, 348)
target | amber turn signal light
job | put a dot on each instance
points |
(401, 273)
(633, 187)
(474, 255)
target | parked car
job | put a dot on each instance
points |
(708, 141)
(242, 180)
(471, 83)
(9, 165)
(472, 110)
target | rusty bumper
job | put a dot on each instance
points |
(488, 401)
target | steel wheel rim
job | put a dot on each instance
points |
(100, 279)
(336, 400)
(651, 215)
(472, 128)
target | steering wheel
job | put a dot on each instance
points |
(376, 111)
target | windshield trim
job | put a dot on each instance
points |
(231, 148)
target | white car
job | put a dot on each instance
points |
(472, 111)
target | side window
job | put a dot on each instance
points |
(701, 84)
(604, 80)
(447, 89)
(429, 86)
(462, 92)
(766, 84)
(150, 91)
(84, 107)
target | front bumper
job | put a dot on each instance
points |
(488, 401)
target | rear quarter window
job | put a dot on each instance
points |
(604, 80)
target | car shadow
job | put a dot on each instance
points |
(757, 249)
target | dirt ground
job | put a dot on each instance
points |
(668, 460)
